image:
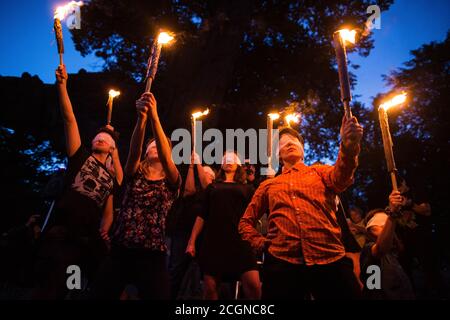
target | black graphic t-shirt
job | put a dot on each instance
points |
(88, 185)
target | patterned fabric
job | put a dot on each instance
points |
(302, 224)
(93, 181)
(142, 218)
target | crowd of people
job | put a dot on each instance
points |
(146, 232)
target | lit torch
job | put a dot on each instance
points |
(292, 118)
(270, 119)
(153, 60)
(111, 95)
(386, 134)
(339, 39)
(194, 117)
(60, 14)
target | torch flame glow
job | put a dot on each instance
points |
(113, 93)
(274, 116)
(292, 117)
(348, 35)
(199, 114)
(63, 11)
(164, 38)
(398, 99)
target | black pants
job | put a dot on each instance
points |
(146, 269)
(179, 264)
(58, 250)
(286, 281)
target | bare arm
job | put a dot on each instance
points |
(164, 150)
(137, 140)
(196, 230)
(385, 237)
(117, 166)
(73, 141)
(189, 185)
(107, 218)
(205, 180)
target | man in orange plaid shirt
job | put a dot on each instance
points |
(304, 253)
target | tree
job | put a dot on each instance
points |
(419, 129)
(244, 57)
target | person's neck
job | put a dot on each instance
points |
(155, 171)
(229, 176)
(100, 156)
(289, 164)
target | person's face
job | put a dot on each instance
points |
(229, 167)
(152, 151)
(100, 144)
(375, 231)
(291, 150)
(355, 216)
(230, 162)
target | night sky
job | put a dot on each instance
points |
(28, 44)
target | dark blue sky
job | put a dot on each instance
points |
(28, 41)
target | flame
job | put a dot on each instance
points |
(273, 116)
(347, 35)
(63, 11)
(113, 93)
(165, 38)
(292, 117)
(199, 114)
(398, 99)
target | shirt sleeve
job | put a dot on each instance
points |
(75, 162)
(257, 207)
(340, 176)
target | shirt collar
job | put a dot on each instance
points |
(297, 167)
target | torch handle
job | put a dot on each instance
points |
(394, 181)
(108, 118)
(269, 137)
(61, 62)
(347, 110)
(148, 84)
(194, 136)
(153, 67)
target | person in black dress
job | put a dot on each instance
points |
(223, 254)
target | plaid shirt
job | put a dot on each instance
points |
(302, 224)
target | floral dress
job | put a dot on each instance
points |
(142, 218)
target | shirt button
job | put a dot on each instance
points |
(293, 197)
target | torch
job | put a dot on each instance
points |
(194, 117)
(270, 118)
(112, 94)
(386, 134)
(291, 117)
(153, 60)
(339, 39)
(60, 14)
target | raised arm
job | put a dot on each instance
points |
(137, 139)
(189, 185)
(162, 144)
(340, 176)
(385, 237)
(73, 141)
(205, 180)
